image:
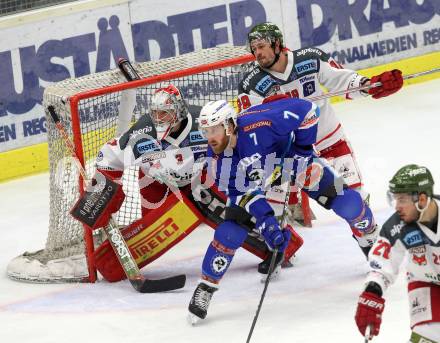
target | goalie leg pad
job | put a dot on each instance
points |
(150, 237)
(228, 237)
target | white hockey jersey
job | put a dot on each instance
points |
(395, 240)
(307, 69)
(172, 161)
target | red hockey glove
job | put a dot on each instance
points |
(391, 81)
(369, 313)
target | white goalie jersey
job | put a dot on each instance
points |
(307, 69)
(173, 160)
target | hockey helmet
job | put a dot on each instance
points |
(167, 108)
(265, 31)
(412, 179)
(216, 113)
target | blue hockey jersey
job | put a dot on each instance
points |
(269, 135)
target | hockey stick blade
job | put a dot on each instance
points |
(162, 285)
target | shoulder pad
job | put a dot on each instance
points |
(142, 128)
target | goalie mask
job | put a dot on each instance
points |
(167, 109)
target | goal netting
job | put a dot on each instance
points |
(94, 109)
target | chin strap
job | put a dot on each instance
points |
(422, 210)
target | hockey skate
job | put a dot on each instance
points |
(198, 306)
(263, 267)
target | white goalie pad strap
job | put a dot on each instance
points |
(28, 269)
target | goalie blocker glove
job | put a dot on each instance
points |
(96, 205)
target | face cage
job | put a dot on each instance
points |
(169, 119)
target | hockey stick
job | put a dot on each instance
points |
(367, 334)
(266, 284)
(138, 281)
(366, 87)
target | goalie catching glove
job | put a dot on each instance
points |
(101, 199)
(391, 81)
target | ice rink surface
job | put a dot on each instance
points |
(312, 302)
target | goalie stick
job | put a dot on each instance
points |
(137, 280)
(366, 87)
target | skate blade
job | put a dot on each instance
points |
(274, 276)
(192, 319)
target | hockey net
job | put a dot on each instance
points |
(94, 109)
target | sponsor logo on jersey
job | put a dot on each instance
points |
(396, 229)
(248, 78)
(306, 66)
(418, 250)
(306, 78)
(150, 145)
(153, 157)
(257, 125)
(196, 148)
(265, 84)
(309, 88)
(309, 50)
(196, 136)
(311, 119)
(413, 238)
(144, 130)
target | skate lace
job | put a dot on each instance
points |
(202, 298)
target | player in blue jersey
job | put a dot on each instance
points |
(243, 154)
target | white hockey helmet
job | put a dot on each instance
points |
(216, 113)
(167, 108)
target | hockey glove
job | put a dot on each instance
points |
(273, 235)
(101, 199)
(369, 313)
(391, 81)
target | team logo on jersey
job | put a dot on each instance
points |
(306, 66)
(196, 136)
(413, 238)
(257, 125)
(309, 88)
(99, 157)
(419, 259)
(179, 158)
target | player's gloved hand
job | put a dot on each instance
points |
(391, 81)
(272, 233)
(369, 313)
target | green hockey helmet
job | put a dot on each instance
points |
(412, 179)
(267, 31)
